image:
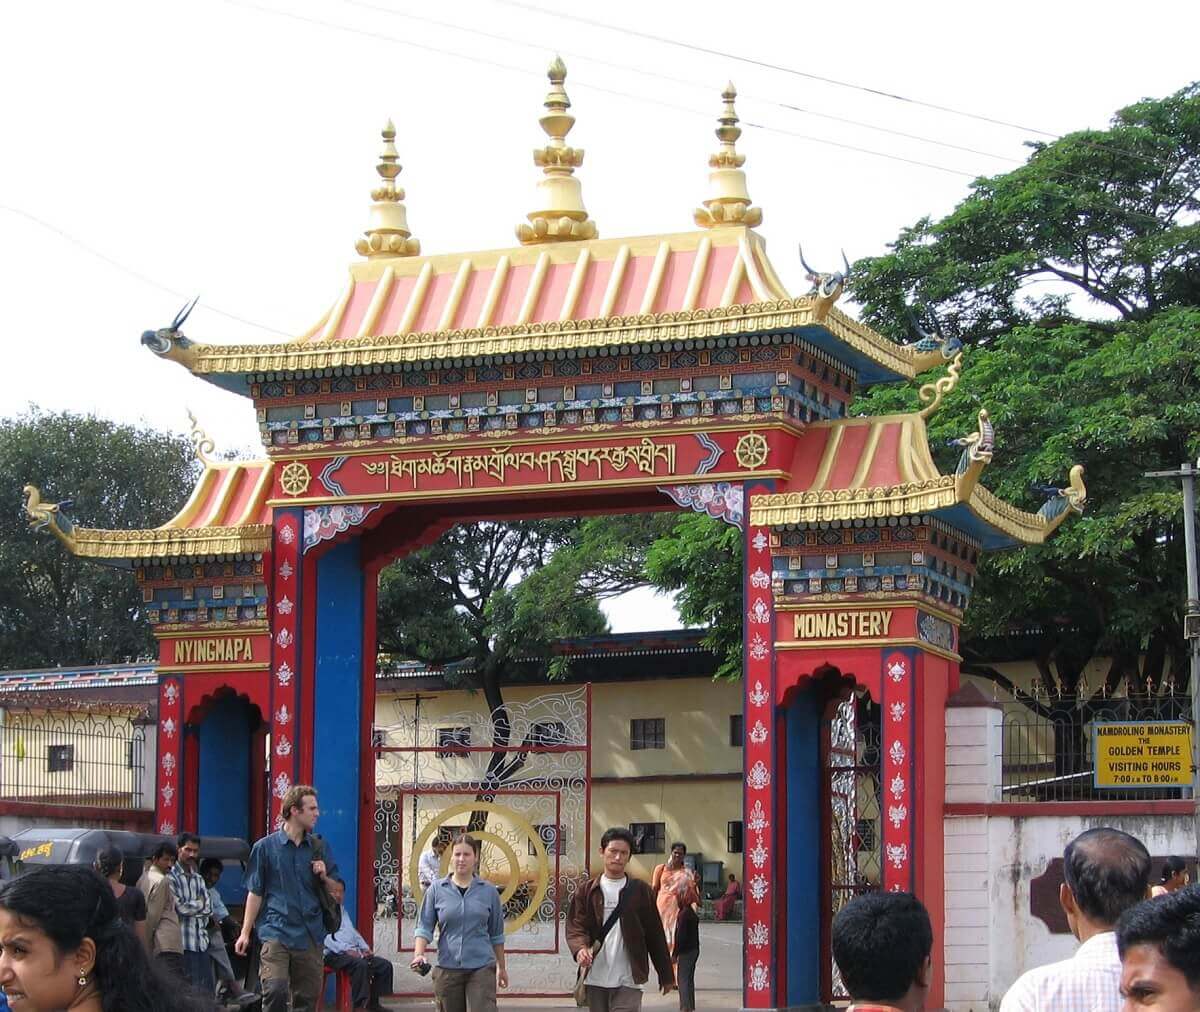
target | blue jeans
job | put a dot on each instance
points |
(199, 969)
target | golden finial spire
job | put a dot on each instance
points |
(729, 201)
(388, 234)
(561, 216)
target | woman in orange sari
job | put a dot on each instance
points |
(674, 887)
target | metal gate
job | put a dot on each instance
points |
(852, 863)
(533, 800)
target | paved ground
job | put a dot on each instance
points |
(718, 979)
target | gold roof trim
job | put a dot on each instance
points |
(560, 335)
(159, 543)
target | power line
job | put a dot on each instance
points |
(706, 86)
(124, 268)
(826, 80)
(766, 65)
(641, 99)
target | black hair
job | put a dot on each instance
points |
(1107, 871)
(109, 861)
(680, 846)
(1171, 924)
(166, 847)
(1172, 866)
(880, 942)
(209, 863)
(72, 902)
(618, 833)
(185, 838)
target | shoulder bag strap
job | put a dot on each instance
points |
(612, 918)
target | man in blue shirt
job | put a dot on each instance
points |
(346, 949)
(282, 879)
(194, 908)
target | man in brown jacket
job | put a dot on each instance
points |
(163, 935)
(617, 970)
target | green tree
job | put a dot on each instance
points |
(1102, 369)
(54, 608)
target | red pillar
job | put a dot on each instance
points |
(168, 796)
(284, 611)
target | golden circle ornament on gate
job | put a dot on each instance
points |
(751, 451)
(294, 478)
(521, 825)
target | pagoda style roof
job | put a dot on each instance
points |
(567, 297)
(227, 514)
(875, 468)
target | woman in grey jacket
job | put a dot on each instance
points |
(470, 952)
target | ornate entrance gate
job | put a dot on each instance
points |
(527, 802)
(853, 858)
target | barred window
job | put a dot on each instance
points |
(650, 837)
(453, 741)
(60, 758)
(649, 732)
(737, 730)
(733, 837)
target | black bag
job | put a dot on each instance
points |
(582, 974)
(331, 913)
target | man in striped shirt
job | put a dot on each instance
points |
(1106, 872)
(194, 907)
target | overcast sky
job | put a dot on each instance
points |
(226, 148)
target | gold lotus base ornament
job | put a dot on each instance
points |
(294, 479)
(751, 451)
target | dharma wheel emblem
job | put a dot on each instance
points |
(294, 478)
(751, 451)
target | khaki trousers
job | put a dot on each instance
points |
(300, 971)
(465, 990)
(614, 999)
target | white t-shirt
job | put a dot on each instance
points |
(611, 965)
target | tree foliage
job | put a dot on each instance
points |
(1102, 370)
(54, 608)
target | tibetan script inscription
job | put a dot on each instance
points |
(559, 465)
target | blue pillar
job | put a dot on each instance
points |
(224, 788)
(337, 706)
(804, 826)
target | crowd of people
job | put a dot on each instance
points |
(84, 939)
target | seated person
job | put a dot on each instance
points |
(227, 982)
(346, 949)
(1159, 943)
(882, 944)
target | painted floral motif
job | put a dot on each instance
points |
(896, 753)
(897, 814)
(758, 977)
(167, 828)
(322, 523)
(759, 696)
(171, 691)
(759, 541)
(168, 763)
(283, 784)
(758, 818)
(758, 733)
(284, 673)
(285, 570)
(759, 579)
(757, 935)
(760, 613)
(897, 854)
(898, 711)
(287, 534)
(285, 606)
(284, 747)
(723, 500)
(897, 787)
(759, 776)
(282, 715)
(168, 727)
(758, 888)
(758, 648)
(168, 794)
(897, 670)
(758, 856)
(284, 639)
